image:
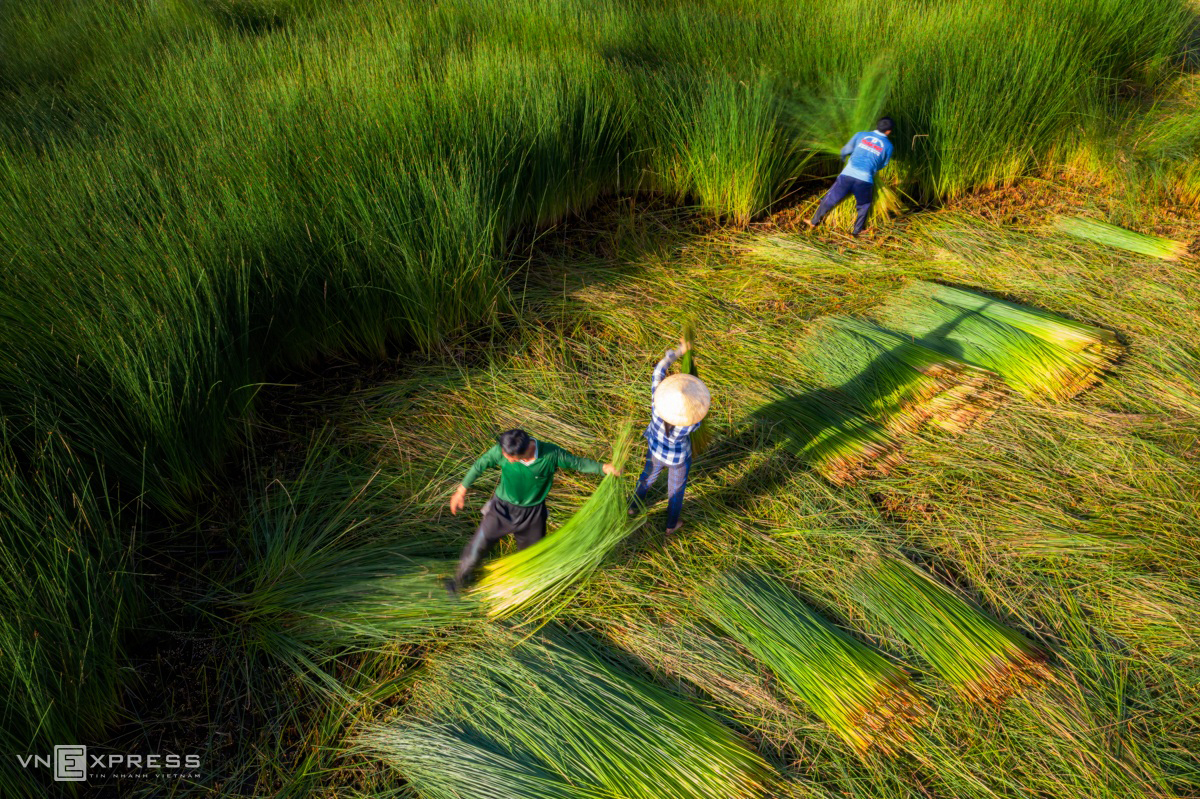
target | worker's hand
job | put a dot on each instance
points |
(459, 500)
(684, 345)
(610, 469)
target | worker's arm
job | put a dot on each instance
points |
(660, 370)
(850, 145)
(485, 461)
(567, 460)
(887, 158)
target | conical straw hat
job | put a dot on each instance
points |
(681, 400)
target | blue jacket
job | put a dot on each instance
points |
(869, 152)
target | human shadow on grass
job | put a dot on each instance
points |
(826, 429)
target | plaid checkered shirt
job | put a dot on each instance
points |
(670, 448)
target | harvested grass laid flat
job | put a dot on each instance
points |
(1042, 355)
(331, 569)
(980, 658)
(828, 432)
(448, 762)
(537, 580)
(694, 651)
(900, 383)
(702, 436)
(1118, 237)
(592, 722)
(353, 598)
(863, 696)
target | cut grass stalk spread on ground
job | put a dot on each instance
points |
(702, 436)
(980, 658)
(824, 428)
(901, 384)
(449, 762)
(1112, 236)
(365, 597)
(539, 580)
(594, 723)
(865, 698)
(1042, 355)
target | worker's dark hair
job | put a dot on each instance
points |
(885, 125)
(514, 442)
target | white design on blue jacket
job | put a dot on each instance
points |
(869, 152)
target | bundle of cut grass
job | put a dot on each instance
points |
(667, 636)
(449, 762)
(979, 657)
(538, 580)
(829, 433)
(900, 383)
(595, 724)
(1122, 239)
(702, 436)
(865, 698)
(1042, 355)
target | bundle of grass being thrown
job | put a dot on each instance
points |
(451, 762)
(596, 724)
(900, 383)
(538, 580)
(1119, 238)
(702, 436)
(825, 429)
(980, 658)
(865, 698)
(1042, 355)
(670, 640)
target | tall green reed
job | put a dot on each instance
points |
(66, 595)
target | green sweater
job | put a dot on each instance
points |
(528, 485)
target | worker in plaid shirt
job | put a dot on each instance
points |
(669, 448)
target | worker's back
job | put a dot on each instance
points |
(869, 152)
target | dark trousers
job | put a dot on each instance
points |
(676, 483)
(525, 524)
(843, 187)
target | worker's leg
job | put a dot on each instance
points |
(837, 192)
(864, 195)
(676, 483)
(649, 474)
(494, 525)
(531, 526)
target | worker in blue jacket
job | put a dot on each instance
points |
(868, 153)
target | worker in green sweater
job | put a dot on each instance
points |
(518, 508)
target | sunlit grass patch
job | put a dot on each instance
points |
(1043, 355)
(863, 696)
(982, 659)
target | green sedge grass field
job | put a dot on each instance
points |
(276, 271)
